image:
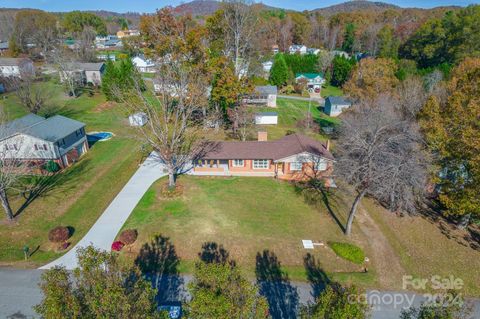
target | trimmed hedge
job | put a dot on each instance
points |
(348, 251)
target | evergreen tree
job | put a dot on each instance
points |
(279, 71)
(108, 80)
(388, 44)
(349, 38)
(342, 67)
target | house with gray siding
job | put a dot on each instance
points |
(334, 105)
(37, 140)
(263, 96)
(85, 72)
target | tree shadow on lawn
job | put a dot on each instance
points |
(212, 253)
(275, 285)
(158, 261)
(42, 185)
(316, 276)
(315, 193)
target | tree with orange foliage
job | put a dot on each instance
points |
(452, 130)
(370, 78)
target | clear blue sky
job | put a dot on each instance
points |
(151, 5)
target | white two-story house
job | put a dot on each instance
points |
(35, 140)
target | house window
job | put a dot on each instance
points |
(296, 166)
(10, 147)
(260, 164)
(41, 147)
(238, 163)
(321, 165)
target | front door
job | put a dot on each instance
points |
(280, 168)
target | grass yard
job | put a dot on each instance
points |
(246, 216)
(427, 248)
(331, 91)
(81, 193)
(292, 111)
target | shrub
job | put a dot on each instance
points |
(128, 236)
(348, 251)
(59, 234)
(117, 245)
(52, 167)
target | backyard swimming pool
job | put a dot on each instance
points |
(99, 136)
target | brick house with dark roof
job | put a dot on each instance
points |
(293, 157)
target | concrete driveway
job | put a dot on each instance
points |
(106, 228)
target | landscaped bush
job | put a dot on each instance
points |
(128, 236)
(349, 252)
(59, 234)
(117, 245)
(52, 167)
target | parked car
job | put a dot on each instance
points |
(174, 311)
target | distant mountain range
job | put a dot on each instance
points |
(358, 5)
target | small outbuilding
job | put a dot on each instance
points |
(263, 96)
(334, 105)
(266, 118)
(138, 119)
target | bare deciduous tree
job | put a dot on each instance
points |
(242, 118)
(32, 96)
(172, 130)
(11, 168)
(412, 96)
(86, 47)
(379, 153)
(65, 64)
(241, 20)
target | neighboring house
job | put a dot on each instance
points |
(109, 42)
(341, 53)
(3, 48)
(16, 67)
(275, 49)
(263, 95)
(106, 57)
(293, 157)
(71, 44)
(300, 49)
(143, 64)
(313, 51)
(266, 118)
(86, 72)
(37, 140)
(334, 105)
(127, 33)
(314, 80)
(267, 66)
(138, 119)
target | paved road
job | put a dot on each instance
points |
(106, 228)
(20, 292)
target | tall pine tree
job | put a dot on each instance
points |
(279, 71)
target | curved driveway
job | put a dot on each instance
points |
(103, 232)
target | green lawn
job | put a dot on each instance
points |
(331, 91)
(290, 112)
(79, 194)
(246, 216)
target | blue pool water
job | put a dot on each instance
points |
(99, 136)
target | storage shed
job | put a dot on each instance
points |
(138, 119)
(266, 118)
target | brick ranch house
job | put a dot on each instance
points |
(293, 157)
(36, 140)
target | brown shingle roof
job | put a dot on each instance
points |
(273, 150)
